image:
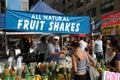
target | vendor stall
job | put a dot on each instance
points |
(19, 21)
(47, 23)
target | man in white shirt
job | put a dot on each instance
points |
(53, 51)
(98, 48)
(83, 44)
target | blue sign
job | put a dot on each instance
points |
(97, 27)
(14, 4)
(49, 23)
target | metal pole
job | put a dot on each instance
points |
(4, 32)
(62, 40)
(6, 4)
(6, 43)
(92, 34)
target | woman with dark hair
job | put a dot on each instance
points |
(79, 60)
(114, 64)
(41, 48)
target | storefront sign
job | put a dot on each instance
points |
(111, 22)
(110, 76)
(36, 22)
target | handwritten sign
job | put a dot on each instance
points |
(110, 76)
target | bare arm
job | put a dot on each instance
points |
(58, 53)
(117, 68)
(74, 63)
(91, 59)
(117, 63)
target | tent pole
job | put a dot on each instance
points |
(92, 34)
(62, 40)
(6, 44)
(6, 4)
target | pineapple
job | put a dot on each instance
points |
(6, 69)
(6, 72)
(13, 68)
(26, 70)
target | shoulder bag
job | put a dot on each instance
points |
(93, 73)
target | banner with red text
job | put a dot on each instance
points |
(111, 24)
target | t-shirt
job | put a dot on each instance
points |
(98, 46)
(52, 49)
(83, 45)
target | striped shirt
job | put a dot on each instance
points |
(82, 66)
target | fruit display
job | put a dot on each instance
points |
(6, 72)
(48, 70)
(102, 67)
(53, 71)
(38, 77)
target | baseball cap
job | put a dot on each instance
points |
(56, 37)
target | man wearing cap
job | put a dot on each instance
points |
(53, 51)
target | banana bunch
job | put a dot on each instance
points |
(100, 70)
(107, 69)
(57, 68)
(59, 77)
(38, 77)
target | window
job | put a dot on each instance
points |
(63, 2)
(69, 0)
(105, 1)
(88, 13)
(107, 7)
(79, 3)
(88, 1)
(91, 12)
(25, 5)
(70, 8)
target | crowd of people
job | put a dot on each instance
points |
(80, 48)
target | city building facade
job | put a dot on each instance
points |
(2, 6)
(24, 5)
(93, 8)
